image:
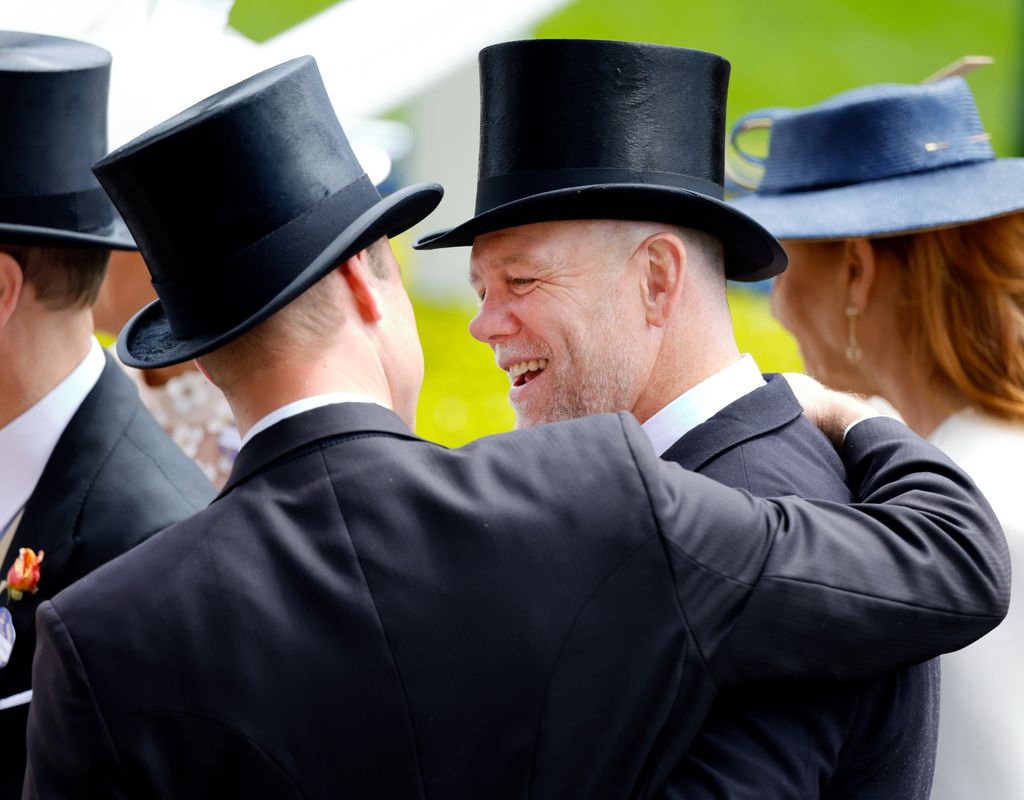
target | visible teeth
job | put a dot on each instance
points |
(523, 367)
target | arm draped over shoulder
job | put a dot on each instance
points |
(790, 588)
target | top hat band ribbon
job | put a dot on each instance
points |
(501, 189)
(83, 212)
(194, 303)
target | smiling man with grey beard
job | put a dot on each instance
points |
(600, 253)
(555, 319)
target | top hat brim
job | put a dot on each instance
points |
(115, 237)
(751, 252)
(147, 341)
(904, 204)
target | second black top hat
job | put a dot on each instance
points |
(241, 203)
(578, 129)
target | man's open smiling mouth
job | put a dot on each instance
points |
(525, 371)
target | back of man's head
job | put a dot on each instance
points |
(302, 330)
(61, 278)
(706, 254)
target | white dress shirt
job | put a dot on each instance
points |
(981, 720)
(701, 402)
(27, 441)
(306, 404)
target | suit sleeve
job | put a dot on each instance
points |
(796, 589)
(70, 753)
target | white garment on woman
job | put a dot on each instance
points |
(981, 724)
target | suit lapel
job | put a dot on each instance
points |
(765, 409)
(294, 434)
(50, 518)
(52, 511)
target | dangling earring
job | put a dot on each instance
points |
(853, 351)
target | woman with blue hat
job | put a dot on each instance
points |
(905, 237)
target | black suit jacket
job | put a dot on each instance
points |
(873, 740)
(113, 479)
(546, 613)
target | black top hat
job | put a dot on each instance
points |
(577, 129)
(53, 126)
(239, 205)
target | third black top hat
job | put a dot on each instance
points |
(53, 126)
(578, 129)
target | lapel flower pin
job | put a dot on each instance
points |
(23, 576)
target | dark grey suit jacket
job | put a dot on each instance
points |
(113, 479)
(542, 614)
(871, 740)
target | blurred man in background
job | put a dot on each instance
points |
(85, 472)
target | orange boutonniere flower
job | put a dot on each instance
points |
(23, 576)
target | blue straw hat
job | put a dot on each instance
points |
(880, 160)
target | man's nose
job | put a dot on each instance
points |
(493, 322)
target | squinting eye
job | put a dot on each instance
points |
(521, 282)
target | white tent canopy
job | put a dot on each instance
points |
(374, 54)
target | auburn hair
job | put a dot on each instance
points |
(964, 291)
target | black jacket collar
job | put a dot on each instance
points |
(284, 438)
(763, 410)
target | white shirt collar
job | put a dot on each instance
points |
(27, 441)
(306, 404)
(701, 402)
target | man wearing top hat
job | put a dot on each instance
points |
(85, 472)
(362, 613)
(601, 249)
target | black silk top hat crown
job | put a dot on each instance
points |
(577, 129)
(241, 203)
(53, 126)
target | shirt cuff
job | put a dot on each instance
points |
(856, 422)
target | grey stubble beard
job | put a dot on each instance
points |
(604, 384)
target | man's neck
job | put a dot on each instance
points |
(702, 402)
(38, 356)
(698, 342)
(672, 376)
(283, 385)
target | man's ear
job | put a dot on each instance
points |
(860, 263)
(662, 268)
(361, 282)
(12, 280)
